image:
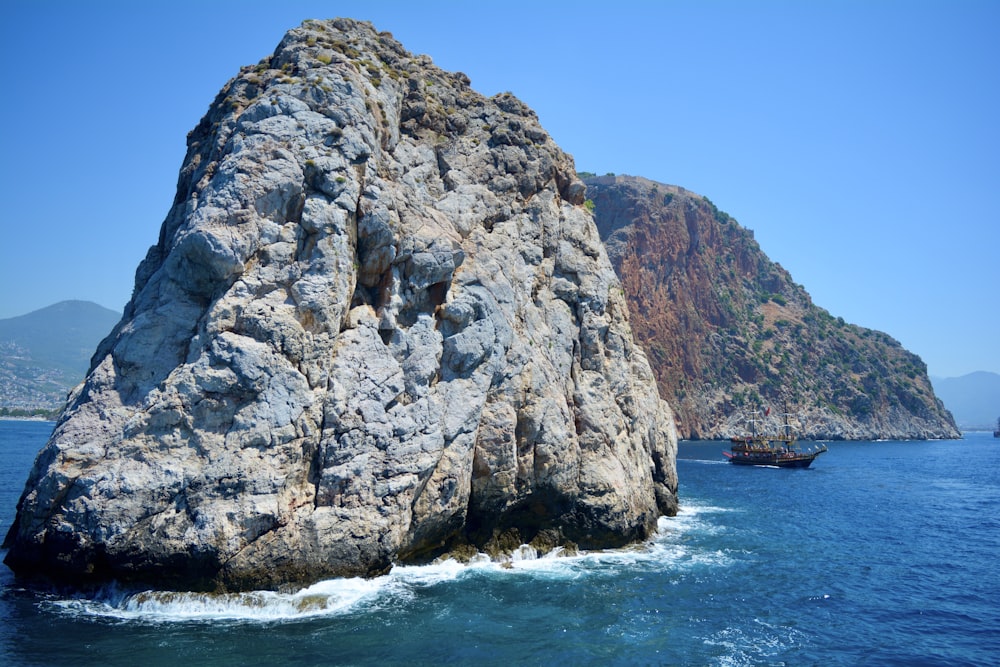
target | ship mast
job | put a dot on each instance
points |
(786, 415)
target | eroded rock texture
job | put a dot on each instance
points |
(378, 324)
(728, 330)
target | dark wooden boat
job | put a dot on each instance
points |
(780, 451)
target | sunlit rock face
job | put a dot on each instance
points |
(728, 330)
(378, 325)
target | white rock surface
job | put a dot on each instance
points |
(378, 324)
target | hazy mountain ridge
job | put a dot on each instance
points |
(47, 352)
(727, 329)
(974, 398)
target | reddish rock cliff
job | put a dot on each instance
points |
(727, 329)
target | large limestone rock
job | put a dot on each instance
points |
(378, 325)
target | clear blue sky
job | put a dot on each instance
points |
(859, 140)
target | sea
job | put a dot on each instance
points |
(881, 553)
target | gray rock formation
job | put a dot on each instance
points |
(378, 325)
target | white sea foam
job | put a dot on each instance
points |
(753, 643)
(709, 462)
(331, 597)
(668, 549)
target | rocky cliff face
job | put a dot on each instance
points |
(378, 325)
(727, 329)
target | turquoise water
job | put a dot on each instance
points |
(881, 553)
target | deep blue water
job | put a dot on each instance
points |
(880, 554)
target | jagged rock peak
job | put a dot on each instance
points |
(728, 330)
(379, 325)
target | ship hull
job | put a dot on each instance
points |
(775, 461)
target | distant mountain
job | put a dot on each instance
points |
(47, 352)
(974, 399)
(727, 329)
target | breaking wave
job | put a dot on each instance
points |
(667, 550)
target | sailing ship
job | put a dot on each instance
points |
(781, 450)
(996, 433)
